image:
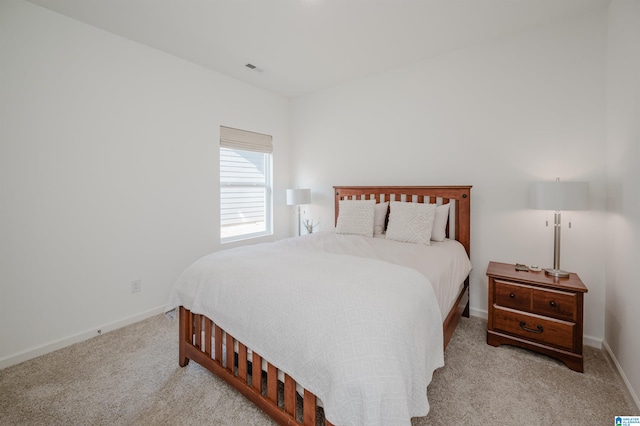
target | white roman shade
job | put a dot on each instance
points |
(244, 140)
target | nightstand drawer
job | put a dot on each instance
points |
(531, 327)
(512, 295)
(555, 304)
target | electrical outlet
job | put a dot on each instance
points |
(136, 286)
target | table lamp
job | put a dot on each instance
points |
(297, 197)
(559, 196)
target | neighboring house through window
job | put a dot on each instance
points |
(245, 184)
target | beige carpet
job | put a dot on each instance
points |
(131, 376)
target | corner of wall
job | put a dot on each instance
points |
(631, 392)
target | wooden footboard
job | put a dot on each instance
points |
(207, 344)
(210, 346)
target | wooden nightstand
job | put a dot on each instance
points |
(537, 312)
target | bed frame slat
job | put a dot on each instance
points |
(289, 395)
(229, 352)
(452, 202)
(208, 324)
(256, 372)
(272, 383)
(242, 362)
(218, 343)
(309, 408)
(198, 332)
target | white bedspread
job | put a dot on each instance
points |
(363, 335)
(445, 263)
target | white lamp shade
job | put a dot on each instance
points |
(296, 197)
(559, 196)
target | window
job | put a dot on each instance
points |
(245, 184)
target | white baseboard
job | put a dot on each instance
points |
(594, 342)
(480, 313)
(613, 359)
(80, 337)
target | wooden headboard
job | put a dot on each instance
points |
(458, 196)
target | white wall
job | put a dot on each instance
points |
(496, 116)
(108, 173)
(108, 163)
(622, 337)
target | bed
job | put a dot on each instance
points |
(319, 326)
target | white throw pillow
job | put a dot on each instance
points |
(439, 231)
(380, 217)
(356, 217)
(411, 222)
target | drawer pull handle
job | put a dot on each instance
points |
(553, 303)
(523, 325)
(512, 295)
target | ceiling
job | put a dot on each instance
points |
(305, 45)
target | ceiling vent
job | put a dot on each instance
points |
(253, 67)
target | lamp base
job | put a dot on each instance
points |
(558, 273)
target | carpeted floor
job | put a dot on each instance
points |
(131, 376)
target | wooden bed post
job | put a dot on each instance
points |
(184, 336)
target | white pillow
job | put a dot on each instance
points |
(379, 217)
(411, 222)
(356, 217)
(439, 231)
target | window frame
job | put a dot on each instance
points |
(243, 141)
